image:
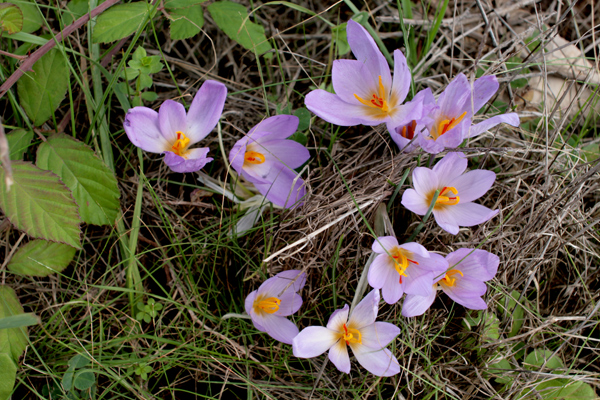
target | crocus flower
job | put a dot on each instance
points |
(454, 206)
(406, 268)
(366, 338)
(448, 121)
(172, 132)
(463, 282)
(274, 300)
(365, 91)
(265, 158)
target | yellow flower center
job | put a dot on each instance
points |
(401, 259)
(269, 305)
(448, 280)
(445, 125)
(254, 157)
(379, 100)
(408, 131)
(350, 335)
(444, 199)
(181, 144)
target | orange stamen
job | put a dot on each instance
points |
(379, 99)
(408, 131)
(270, 305)
(444, 199)
(254, 157)
(445, 125)
(448, 280)
(181, 144)
(401, 260)
(349, 335)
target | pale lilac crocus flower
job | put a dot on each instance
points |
(448, 121)
(172, 132)
(365, 91)
(366, 338)
(265, 158)
(274, 300)
(407, 268)
(463, 282)
(454, 207)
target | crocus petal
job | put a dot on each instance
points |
(404, 144)
(366, 51)
(450, 167)
(142, 128)
(453, 101)
(472, 302)
(463, 214)
(350, 77)
(314, 341)
(284, 187)
(288, 152)
(290, 303)
(465, 286)
(417, 305)
(333, 109)
(195, 160)
(384, 244)
(416, 249)
(404, 112)
(475, 263)
(380, 363)
(435, 263)
(289, 281)
(483, 90)
(279, 328)
(429, 145)
(236, 156)
(338, 319)
(338, 355)
(205, 111)
(414, 202)
(365, 312)
(473, 184)
(425, 181)
(392, 290)
(171, 119)
(278, 127)
(418, 281)
(249, 302)
(378, 335)
(511, 119)
(380, 271)
(402, 77)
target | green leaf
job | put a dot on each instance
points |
(513, 311)
(40, 204)
(186, 22)
(300, 138)
(120, 21)
(76, 9)
(583, 392)
(129, 73)
(17, 321)
(338, 34)
(233, 19)
(500, 369)
(18, 142)
(32, 18)
(149, 96)
(41, 258)
(8, 375)
(93, 184)
(42, 89)
(11, 18)
(79, 361)
(173, 4)
(557, 388)
(540, 357)
(14, 340)
(84, 380)
(67, 380)
(304, 116)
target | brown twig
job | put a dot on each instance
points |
(28, 63)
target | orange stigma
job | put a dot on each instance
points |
(270, 305)
(351, 335)
(401, 260)
(181, 144)
(254, 157)
(445, 125)
(379, 99)
(444, 199)
(448, 280)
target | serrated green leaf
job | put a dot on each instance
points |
(233, 19)
(79, 361)
(540, 357)
(41, 258)
(39, 204)
(93, 184)
(84, 380)
(120, 21)
(8, 375)
(11, 18)
(186, 22)
(174, 4)
(32, 18)
(14, 340)
(19, 141)
(42, 89)
(17, 321)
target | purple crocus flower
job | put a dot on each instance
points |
(171, 131)
(406, 268)
(454, 206)
(265, 158)
(366, 338)
(274, 300)
(463, 283)
(365, 91)
(448, 121)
